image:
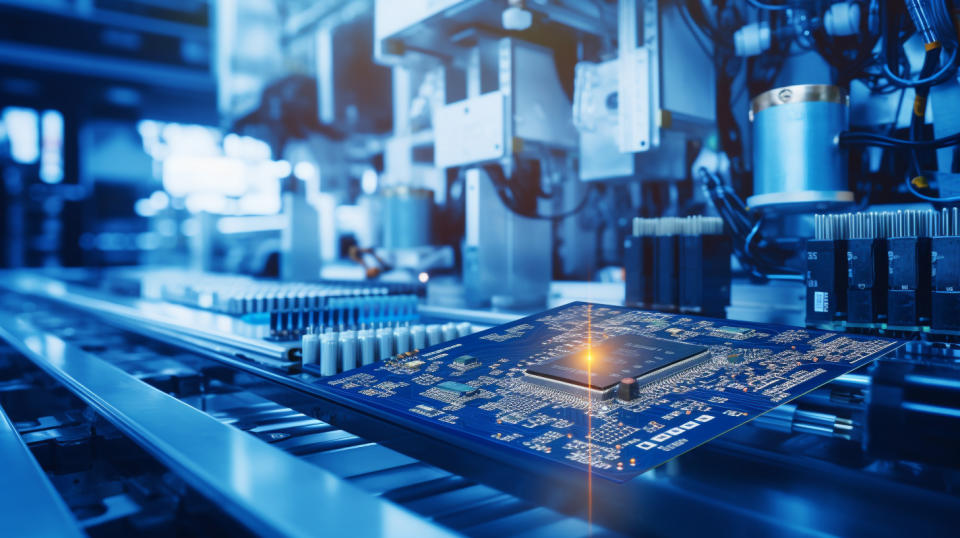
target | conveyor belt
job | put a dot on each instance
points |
(267, 490)
(747, 484)
(25, 492)
(443, 497)
(385, 477)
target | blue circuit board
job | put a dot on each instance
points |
(481, 386)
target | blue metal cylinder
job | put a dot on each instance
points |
(796, 155)
(407, 213)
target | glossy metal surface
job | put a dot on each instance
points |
(226, 334)
(270, 491)
(31, 505)
(796, 157)
(801, 93)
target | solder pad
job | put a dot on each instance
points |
(749, 369)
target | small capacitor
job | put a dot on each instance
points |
(368, 346)
(308, 348)
(449, 331)
(385, 340)
(348, 350)
(434, 336)
(418, 334)
(401, 338)
(464, 329)
(628, 389)
(328, 353)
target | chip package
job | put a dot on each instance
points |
(608, 388)
(599, 368)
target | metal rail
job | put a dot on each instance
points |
(271, 492)
(31, 505)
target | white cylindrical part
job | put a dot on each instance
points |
(385, 341)
(449, 331)
(434, 335)
(419, 336)
(401, 337)
(464, 329)
(368, 347)
(308, 348)
(328, 353)
(752, 39)
(842, 19)
(348, 350)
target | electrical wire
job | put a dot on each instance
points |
(508, 196)
(946, 70)
(747, 249)
(769, 7)
(918, 194)
(735, 215)
(856, 138)
(892, 55)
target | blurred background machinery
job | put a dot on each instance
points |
(216, 203)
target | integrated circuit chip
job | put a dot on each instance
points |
(460, 389)
(599, 368)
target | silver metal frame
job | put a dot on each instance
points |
(268, 490)
(31, 505)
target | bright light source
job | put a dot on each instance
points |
(183, 175)
(369, 180)
(305, 171)
(24, 133)
(144, 208)
(281, 169)
(207, 202)
(423, 277)
(218, 173)
(159, 200)
(51, 147)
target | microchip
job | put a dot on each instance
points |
(601, 367)
(426, 410)
(460, 389)
(742, 332)
(466, 361)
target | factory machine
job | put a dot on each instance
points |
(538, 268)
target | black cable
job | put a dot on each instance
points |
(892, 55)
(743, 228)
(769, 7)
(507, 195)
(687, 20)
(854, 138)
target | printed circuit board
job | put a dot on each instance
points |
(612, 389)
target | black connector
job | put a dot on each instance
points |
(704, 274)
(866, 281)
(826, 280)
(638, 269)
(665, 276)
(908, 264)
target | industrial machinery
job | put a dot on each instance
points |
(481, 267)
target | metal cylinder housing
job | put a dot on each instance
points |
(407, 213)
(796, 156)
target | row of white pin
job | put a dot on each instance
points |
(345, 349)
(885, 224)
(666, 226)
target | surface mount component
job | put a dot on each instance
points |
(608, 388)
(596, 370)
